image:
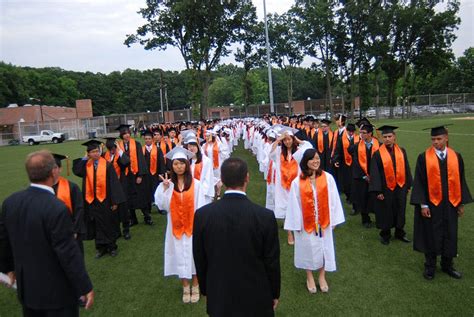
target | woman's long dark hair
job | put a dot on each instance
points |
(198, 153)
(307, 156)
(188, 177)
(284, 149)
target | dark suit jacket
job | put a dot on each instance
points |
(237, 256)
(37, 242)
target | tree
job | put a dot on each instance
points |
(285, 51)
(316, 22)
(201, 30)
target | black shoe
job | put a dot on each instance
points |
(429, 275)
(133, 223)
(367, 225)
(403, 239)
(113, 253)
(453, 273)
(149, 222)
(127, 236)
(100, 254)
(162, 212)
(384, 241)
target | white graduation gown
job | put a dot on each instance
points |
(207, 179)
(222, 156)
(312, 252)
(179, 258)
(281, 194)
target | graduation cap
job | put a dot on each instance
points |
(58, 158)
(362, 121)
(326, 121)
(179, 153)
(366, 127)
(271, 134)
(440, 130)
(92, 145)
(192, 139)
(110, 142)
(186, 133)
(341, 117)
(148, 133)
(387, 129)
(123, 128)
(288, 130)
(351, 127)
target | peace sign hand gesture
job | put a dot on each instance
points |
(166, 181)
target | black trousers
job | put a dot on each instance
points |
(146, 214)
(72, 311)
(387, 234)
(430, 262)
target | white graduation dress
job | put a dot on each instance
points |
(207, 179)
(313, 252)
(179, 258)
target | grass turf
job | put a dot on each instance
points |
(372, 279)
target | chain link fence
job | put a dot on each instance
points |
(102, 126)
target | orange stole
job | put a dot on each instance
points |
(215, 154)
(321, 140)
(64, 193)
(182, 212)
(153, 157)
(433, 174)
(114, 163)
(362, 154)
(132, 148)
(390, 178)
(197, 170)
(100, 181)
(308, 205)
(345, 147)
(269, 172)
(288, 170)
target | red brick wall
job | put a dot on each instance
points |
(84, 108)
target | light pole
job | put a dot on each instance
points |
(270, 84)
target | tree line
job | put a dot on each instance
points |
(371, 49)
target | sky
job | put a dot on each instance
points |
(88, 35)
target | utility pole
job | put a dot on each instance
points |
(270, 83)
(161, 98)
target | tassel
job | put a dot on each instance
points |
(67, 166)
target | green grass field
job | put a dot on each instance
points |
(372, 279)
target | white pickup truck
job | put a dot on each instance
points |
(44, 136)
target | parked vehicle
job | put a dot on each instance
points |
(44, 136)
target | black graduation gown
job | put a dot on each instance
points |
(363, 200)
(336, 171)
(438, 234)
(325, 156)
(98, 216)
(344, 171)
(390, 212)
(151, 182)
(136, 196)
(122, 215)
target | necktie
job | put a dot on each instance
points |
(441, 156)
(369, 145)
(95, 164)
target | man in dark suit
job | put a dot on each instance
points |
(236, 250)
(37, 246)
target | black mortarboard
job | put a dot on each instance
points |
(362, 121)
(148, 133)
(342, 117)
(387, 129)
(366, 127)
(351, 127)
(326, 121)
(58, 158)
(440, 130)
(123, 128)
(92, 145)
(110, 142)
